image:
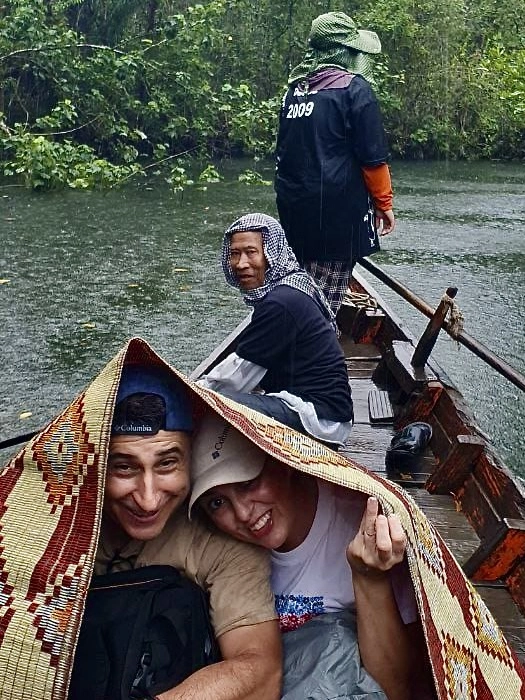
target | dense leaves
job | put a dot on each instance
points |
(93, 92)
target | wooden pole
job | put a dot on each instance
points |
(430, 334)
(11, 442)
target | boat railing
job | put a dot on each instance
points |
(440, 321)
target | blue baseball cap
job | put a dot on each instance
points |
(171, 402)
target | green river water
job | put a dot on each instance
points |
(81, 272)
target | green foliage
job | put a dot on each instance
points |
(251, 123)
(452, 100)
(251, 177)
(210, 174)
(178, 179)
(93, 91)
(46, 164)
(503, 123)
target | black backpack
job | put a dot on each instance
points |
(143, 632)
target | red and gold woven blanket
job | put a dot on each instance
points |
(51, 497)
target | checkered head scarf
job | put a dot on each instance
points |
(283, 267)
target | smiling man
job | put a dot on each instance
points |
(144, 524)
(289, 351)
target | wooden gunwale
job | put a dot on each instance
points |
(461, 337)
(466, 467)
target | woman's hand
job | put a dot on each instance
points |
(379, 544)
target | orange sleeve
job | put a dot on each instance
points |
(379, 184)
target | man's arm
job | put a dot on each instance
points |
(251, 668)
(385, 221)
(378, 183)
(233, 374)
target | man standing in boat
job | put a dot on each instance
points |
(289, 353)
(144, 523)
(334, 193)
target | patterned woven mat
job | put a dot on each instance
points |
(50, 510)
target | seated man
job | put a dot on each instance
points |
(289, 349)
(144, 522)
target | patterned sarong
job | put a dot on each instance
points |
(50, 512)
(333, 277)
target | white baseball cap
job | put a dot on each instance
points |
(221, 455)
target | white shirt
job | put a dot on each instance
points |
(315, 577)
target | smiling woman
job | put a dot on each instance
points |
(309, 526)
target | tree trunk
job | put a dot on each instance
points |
(151, 16)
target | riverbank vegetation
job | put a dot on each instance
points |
(93, 92)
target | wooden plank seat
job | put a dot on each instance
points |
(501, 557)
(359, 322)
(498, 553)
(452, 471)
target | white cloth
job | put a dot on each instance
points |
(320, 428)
(315, 577)
(236, 374)
(233, 374)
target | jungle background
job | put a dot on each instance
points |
(93, 92)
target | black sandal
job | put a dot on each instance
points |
(406, 447)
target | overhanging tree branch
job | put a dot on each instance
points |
(70, 131)
(40, 49)
(154, 165)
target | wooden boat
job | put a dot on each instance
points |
(475, 502)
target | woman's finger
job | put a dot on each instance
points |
(383, 539)
(368, 529)
(397, 535)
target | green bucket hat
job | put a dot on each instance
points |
(335, 41)
(335, 28)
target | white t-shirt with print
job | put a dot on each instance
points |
(315, 577)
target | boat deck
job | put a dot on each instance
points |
(367, 445)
